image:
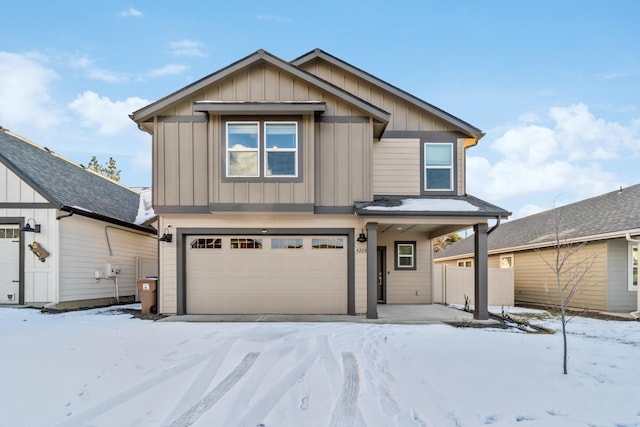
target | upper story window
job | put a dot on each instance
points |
(438, 166)
(262, 149)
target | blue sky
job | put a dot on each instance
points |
(555, 85)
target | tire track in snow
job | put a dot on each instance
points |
(198, 388)
(204, 404)
(135, 391)
(344, 413)
(272, 396)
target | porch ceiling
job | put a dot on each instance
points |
(429, 230)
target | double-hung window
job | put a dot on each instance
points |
(438, 166)
(405, 254)
(262, 149)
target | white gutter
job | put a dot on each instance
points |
(635, 314)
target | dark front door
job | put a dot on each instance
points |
(382, 276)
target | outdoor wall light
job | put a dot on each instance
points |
(28, 227)
(166, 236)
(362, 238)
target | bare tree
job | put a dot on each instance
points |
(440, 243)
(109, 169)
(570, 267)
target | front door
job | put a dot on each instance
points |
(9, 264)
(381, 271)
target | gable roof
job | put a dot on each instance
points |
(68, 186)
(261, 55)
(453, 120)
(610, 215)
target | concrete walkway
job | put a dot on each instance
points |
(387, 313)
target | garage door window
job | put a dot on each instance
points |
(206, 243)
(242, 243)
(286, 243)
(329, 243)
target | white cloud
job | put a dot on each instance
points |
(564, 156)
(187, 48)
(25, 91)
(110, 117)
(93, 72)
(130, 12)
(168, 70)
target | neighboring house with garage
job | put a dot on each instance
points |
(608, 224)
(69, 237)
(304, 187)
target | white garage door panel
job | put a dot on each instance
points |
(266, 281)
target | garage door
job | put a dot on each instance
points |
(266, 275)
(9, 264)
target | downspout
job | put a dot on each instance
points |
(497, 224)
(635, 314)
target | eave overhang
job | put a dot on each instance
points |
(258, 108)
(430, 207)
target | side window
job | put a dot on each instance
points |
(506, 261)
(438, 166)
(465, 263)
(405, 255)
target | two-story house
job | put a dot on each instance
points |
(305, 187)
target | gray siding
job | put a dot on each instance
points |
(343, 160)
(618, 295)
(188, 156)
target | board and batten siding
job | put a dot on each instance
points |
(188, 156)
(408, 286)
(535, 282)
(343, 160)
(84, 249)
(404, 116)
(15, 190)
(619, 297)
(396, 167)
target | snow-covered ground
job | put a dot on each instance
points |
(105, 368)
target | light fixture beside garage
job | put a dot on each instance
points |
(166, 236)
(362, 238)
(29, 228)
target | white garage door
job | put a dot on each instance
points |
(9, 264)
(266, 275)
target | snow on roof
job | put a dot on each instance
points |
(145, 208)
(418, 205)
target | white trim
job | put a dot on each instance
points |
(411, 256)
(504, 256)
(280, 150)
(230, 150)
(450, 167)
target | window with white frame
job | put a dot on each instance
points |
(405, 255)
(262, 149)
(633, 266)
(506, 261)
(438, 166)
(243, 151)
(465, 263)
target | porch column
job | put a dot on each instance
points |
(372, 271)
(480, 261)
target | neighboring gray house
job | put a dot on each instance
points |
(610, 226)
(307, 186)
(90, 241)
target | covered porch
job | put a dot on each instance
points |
(399, 233)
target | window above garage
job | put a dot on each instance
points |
(262, 149)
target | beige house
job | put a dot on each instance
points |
(609, 225)
(303, 187)
(68, 236)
